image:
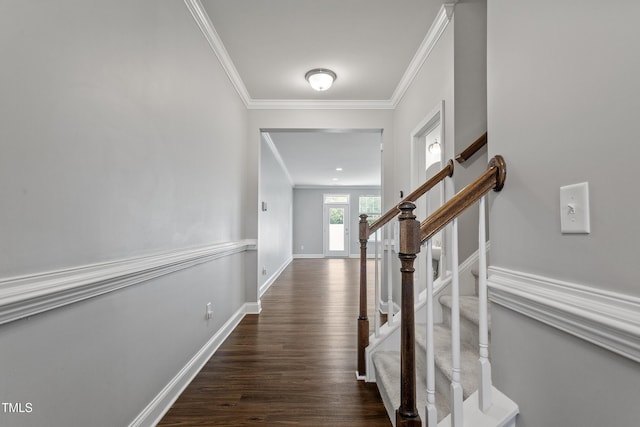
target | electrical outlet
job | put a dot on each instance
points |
(264, 271)
(209, 312)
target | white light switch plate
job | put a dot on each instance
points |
(574, 209)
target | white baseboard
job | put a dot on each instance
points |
(160, 405)
(302, 256)
(608, 319)
(253, 307)
(266, 285)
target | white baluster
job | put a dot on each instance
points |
(376, 316)
(430, 409)
(456, 387)
(389, 277)
(484, 388)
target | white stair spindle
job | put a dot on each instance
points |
(377, 294)
(456, 386)
(484, 387)
(430, 410)
(389, 277)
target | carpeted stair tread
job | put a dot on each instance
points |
(468, 308)
(387, 365)
(443, 356)
(468, 359)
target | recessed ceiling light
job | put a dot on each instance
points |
(320, 79)
(335, 179)
(339, 169)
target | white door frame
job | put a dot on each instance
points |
(325, 230)
(418, 175)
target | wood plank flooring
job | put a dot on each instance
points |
(292, 365)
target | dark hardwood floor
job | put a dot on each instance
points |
(292, 365)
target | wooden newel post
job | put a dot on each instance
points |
(363, 320)
(407, 413)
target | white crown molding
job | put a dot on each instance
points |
(32, 294)
(206, 26)
(321, 104)
(276, 154)
(608, 319)
(431, 39)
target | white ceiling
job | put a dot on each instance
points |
(267, 46)
(312, 157)
(368, 43)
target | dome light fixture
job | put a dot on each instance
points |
(434, 148)
(320, 79)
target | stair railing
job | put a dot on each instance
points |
(407, 414)
(365, 232)
(472, 149)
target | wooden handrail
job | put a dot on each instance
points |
(366, 230)
(472, 148)
(446, 171)
(493, 178)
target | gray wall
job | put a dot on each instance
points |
(558, 379)
(470, 71)
(118, 126)
(573, 124)
(563, 109)
(275, 234)
(308, 205)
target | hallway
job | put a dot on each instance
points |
(294, 364)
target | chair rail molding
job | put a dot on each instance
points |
(608, 319)
(36, 293)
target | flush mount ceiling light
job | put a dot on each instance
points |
(320, 79)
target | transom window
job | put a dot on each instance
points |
(336, 198)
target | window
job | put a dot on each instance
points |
(370, 205)
(336, 198)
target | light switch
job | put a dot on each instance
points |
(209, 313)
(574, 209)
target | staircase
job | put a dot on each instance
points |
(436, 374)
(387, 363)
(387, 370)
